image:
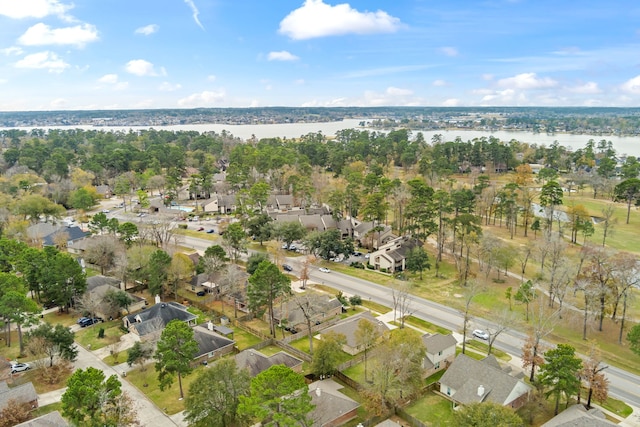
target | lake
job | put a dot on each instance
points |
(622, 144)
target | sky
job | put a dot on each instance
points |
(137, 54)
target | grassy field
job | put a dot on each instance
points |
(432, 409)
(88, 337)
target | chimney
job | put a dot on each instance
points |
(210, 325)
(158, 300)
(318, 391)
(481, 391)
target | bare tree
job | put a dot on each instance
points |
(309, 304)
(304, 271)
(103, 251)
(470, 293)
(556, 248)
(599, 270)
(608, 222)
(501, 323)
(523, 255)
(162, 233)
(401, 297)
(626, 277)
(89, 302)
(231, 279)
(589, 295)
(542, 324)
(592, 374)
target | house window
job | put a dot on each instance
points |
(438, 365)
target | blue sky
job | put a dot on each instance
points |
(123, 54)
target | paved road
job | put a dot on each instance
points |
(623, 385)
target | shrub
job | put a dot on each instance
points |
(101, 333)
(355, 300)
(383, 270)
(370, 267)
(356, 264)
(182, 226)
(340, 296)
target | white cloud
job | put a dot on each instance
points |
(282, 55)
(439, 83)
(632, 86)
(587, 88)
(13, 50)
(299, 82)
(202, 99)
(109, 79)
(169, 87)
(487, 76)
(448, 51)
(147, 30)
(452, 102)
(140, 67)
(526, 81)
(19, 9)
(41, 34)
(318, 19)
(195, 11)
(211, 78)
(59, 103)
(40, 60)
(384, 71)
(396, 91)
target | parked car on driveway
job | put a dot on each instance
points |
(19, 367)
(479, 333)
(200, 293)
(88, 321)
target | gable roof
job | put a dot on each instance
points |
(73, 233)
(319, 304)
(209, 341)
(437, 342)
(349, 326)
(23, 393)
(52, 419)
(578, 416)
(257, 362)
(329, 402)
(157, 316)
(480, 380)
(97, 281)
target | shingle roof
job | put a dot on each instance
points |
(157, 316)
(257, 362)
(96, 281)
(23, 393)
(52, 419)
(329, 403)
(319, 304)
(437, 342)
(468, 377)
(209, 341)
(73, 233)
(578, 416)
(349, 327)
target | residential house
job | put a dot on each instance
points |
(366, 236)
(318, 307)
(97, 288)
(441, 352)
(104, 191)
(280, 202)
(49, 234)
(52, 419)
(332, 408)
(211, 345)
(22, 394)
(468, 380)
(348, 328)
(148, 324)
(220, 203)
(392, 256)
(256, 362)
(579, 416)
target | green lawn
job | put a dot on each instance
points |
(88, 337)
(432, 409)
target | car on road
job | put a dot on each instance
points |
(200, 229)
(19, 367)
(366, 256)
(479, 333)
(211, 231)
(287, 267)
(324, 270)
(105, 211)
(293, 247)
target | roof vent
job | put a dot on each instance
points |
(481, 391)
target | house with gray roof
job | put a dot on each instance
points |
(22, 394)
(579, 416)
(319, 308)
(440, 352)
(52, 419)
(332, 408)
(349, 326)
(468, 380)
(211, 345)
(99, 286)
(148, 324)
(256, 362)
(49, 234)
(392, 256)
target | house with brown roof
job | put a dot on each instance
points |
(392, 256)
(579, 416)
(440, 352)
(148, 324)
(22, 394)
(52, 419)
(332, 408)
(468, 380)
(349, 326)
(256, 362)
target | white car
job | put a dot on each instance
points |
(479, 333)
(324, 270)
(19, 367)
